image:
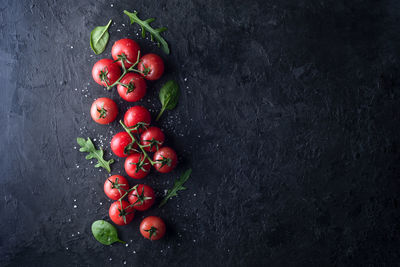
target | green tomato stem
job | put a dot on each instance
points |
(134, 140)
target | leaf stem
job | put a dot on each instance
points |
(161, 112)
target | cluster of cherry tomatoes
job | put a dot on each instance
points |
(139, 138)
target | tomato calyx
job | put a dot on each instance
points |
(102, 111)
(164, 161)
(140, 197)
(153, 143)
(129, 149)
(123, 213)
(117, 185)
(152, 232)
(131, 87)
(146, 70)
(104, 76)
(140, 165)
(139, 126)
(134, 140)
(123, 58)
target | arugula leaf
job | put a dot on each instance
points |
(178, 186)
(154, 33)
(99, 38)
(88, 146)
(169, 95)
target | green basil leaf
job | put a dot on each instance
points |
(105, 232)
(99, 38)
(169, 95)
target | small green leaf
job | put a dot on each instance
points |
(154, 33)
(99, 38)
(88, 146)
(105, 232)
(178, 186)
(169, 95)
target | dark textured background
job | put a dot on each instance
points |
(289, 117)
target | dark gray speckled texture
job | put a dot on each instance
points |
(289, 117)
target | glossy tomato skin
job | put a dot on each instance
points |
(119, 143)
(154, 66)
(138, 83)
(143, 197)
(152, 224)
(135, 115)
(115, 212)
(128, 47)
(130, 166)
(108, 66)
(150, 134)
(112, 192)
(104, 110)
(165, 152)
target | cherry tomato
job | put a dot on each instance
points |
(106, 72)
(128, 48)
(135, 115)
(135, 168)
(167, 159)
(134, 87)
(153, 137)
(121, 145)
(152, 228)
(115, 186)
(152, 67)
(104, 110)
(142, 197)
(121, 215)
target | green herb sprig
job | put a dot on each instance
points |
(154, 33)
(88, 146)
(178, 186)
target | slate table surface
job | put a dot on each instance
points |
(289, 117)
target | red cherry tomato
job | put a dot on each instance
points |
(153, 137)
(121, 145)
(167, 159)
(135, 168)
(152, 228)
(106, 72)
(104, 110)
(121, 214)
(134, 87)
(115, 186)
(152, 67)
(142, 197)
(135, 115)
(128, 48)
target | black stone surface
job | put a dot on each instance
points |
(289, 117)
